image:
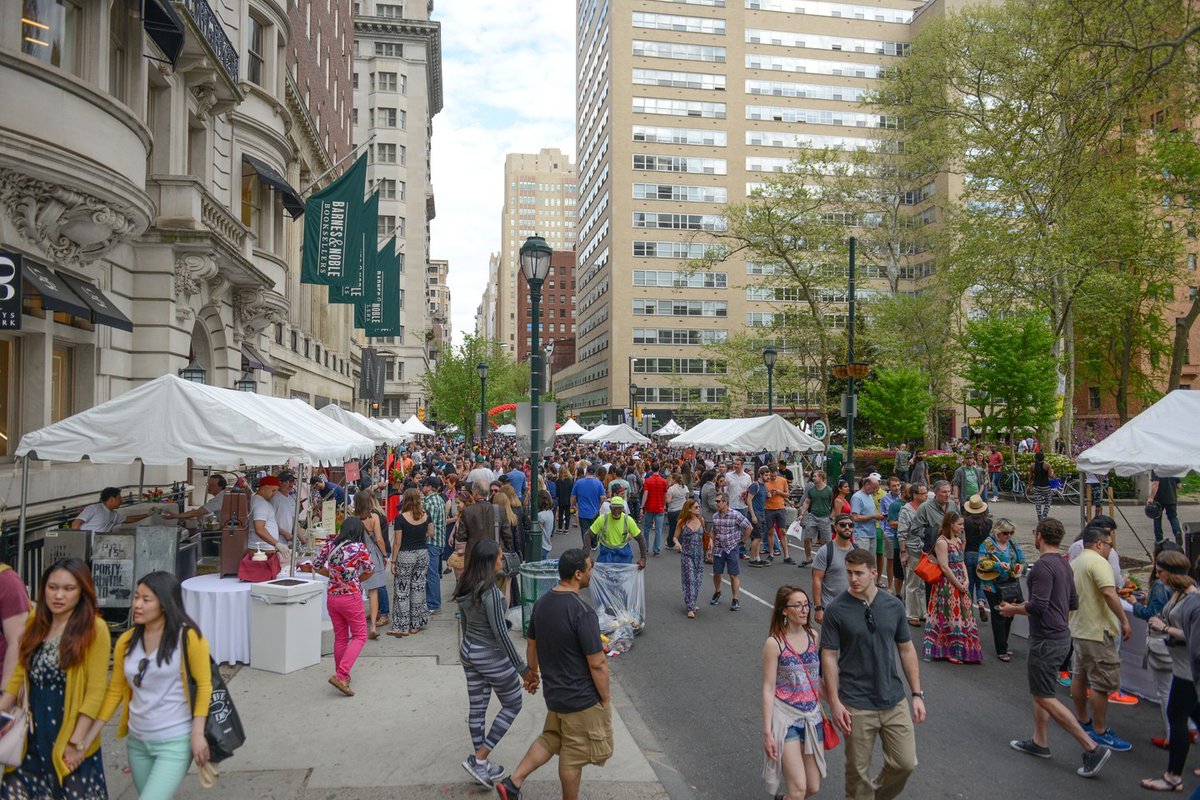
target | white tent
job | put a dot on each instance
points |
(614, 434)
(571, 428)
(1164, 438)
(169, 420)
(507, 430)
(415, 427)
(373, 429)
(672, 428)
(750, 435)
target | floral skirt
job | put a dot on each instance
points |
(950, 628)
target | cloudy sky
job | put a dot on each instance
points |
(508, 74)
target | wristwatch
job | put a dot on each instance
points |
(919, 694)
(818, 608)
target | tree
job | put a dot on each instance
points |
(452, 386)
(1013, 371)
(896, 402)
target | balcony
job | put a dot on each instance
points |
(209, 45)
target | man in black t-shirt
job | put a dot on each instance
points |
(1165, 492)
(564, 644)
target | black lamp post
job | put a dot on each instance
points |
(482, 369)
(246, 383)
(535, 266)
(193, 372)
(769, 356)
(633, 390)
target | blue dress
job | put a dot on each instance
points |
(36, 778)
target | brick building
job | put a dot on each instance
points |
(558, 310)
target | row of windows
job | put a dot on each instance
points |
(646, 133)
(814, 116)
(822, 8)
(837, 43)
(678, 222)
(767, 319)
(384, 82)
(680, 280)
(676, 22)
(683, 52)
(795, 294)
(851, 94)
(680, 308)
(679, 366)
(787, 64)
(711, 3)
(671, 249)
(706, 166)
(680, 193)
(807, 141)
(679, 80)
(678, 108)
(678, 336)
(593, 347)
(384, 153)
(679, 394)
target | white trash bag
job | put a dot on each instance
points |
(619, 597)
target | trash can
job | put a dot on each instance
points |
(535, 579)
(285, 624)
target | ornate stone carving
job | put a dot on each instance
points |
(71, 227)
(191, 271)
(254, 308)
(206, 100)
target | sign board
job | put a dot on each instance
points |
(819, 429)
(352, 471)
(329, 516)
(10, 291)
(112, 569)
(547, 415)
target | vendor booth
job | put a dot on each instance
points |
(571, 428)
(672, 428)
(379, 431)
(414, 427)
(751, 435)
(614, 434)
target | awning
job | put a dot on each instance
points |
(164, 27)
(256, 359)
(102, 311)
(55, 293)
(292, 201)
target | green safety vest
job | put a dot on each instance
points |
(615, 534)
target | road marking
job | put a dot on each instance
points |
(751, 595)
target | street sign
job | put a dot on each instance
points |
(819, 429)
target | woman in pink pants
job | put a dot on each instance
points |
(347, 561)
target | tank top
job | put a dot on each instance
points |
(792, 684)
(412, 536)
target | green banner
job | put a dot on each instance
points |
(367, 238)
(331, 220)
(382, 318)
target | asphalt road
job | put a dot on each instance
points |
(697, 684)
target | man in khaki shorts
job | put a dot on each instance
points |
(564, 644)
(1095, 626)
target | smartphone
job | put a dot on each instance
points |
(6, 722)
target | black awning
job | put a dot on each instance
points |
(55, 293)
(101, 309)
(292, 201)
(164, 26)
(255, 359)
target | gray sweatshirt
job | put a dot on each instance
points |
(483, 623)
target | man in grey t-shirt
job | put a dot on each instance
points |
(829, 566)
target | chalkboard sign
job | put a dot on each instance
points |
(112, 569)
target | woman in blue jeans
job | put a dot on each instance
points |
(152, 663)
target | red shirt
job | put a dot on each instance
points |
(995, 461)
(654, 494)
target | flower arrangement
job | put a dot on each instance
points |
(153, 495)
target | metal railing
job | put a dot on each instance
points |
(213, 30)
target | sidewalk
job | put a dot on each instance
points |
(403, 735)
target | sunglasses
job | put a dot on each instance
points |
(143, 665)
(845, 525)
(870, 618)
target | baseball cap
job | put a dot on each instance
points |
(875, 476)
(616, 502)
(285, 477)
(270, 480)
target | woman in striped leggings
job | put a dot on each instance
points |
(490, 661)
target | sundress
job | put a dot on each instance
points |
(950, 629)
(36, 778)
(691, 564)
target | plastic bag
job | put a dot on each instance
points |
(796, 530)
(619, 597)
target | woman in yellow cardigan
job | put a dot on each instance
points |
(62, 669)
(150, 677)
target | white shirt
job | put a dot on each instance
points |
(735, 484)
(480, 475)
(158, 710)
(285, 511)
(213, 506)
(261, 510)
(99, 518)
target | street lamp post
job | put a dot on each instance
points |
(482, 369)
(769, 356)
(535, 265)
(633, 390)
(852, 404)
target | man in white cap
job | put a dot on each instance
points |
(865, 513)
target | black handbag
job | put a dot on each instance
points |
(1010, 591)
(512, 560)
(223, 727)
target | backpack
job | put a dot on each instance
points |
(829, 550)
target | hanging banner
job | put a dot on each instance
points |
(331, 220)
(10, 291)
(367, 244)
(370, 375)
(382, 318)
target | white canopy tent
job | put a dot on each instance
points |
(571, 428)
(614, 434)
(1164, 438)
(749, 435)
(414, 426)
(373, 429)
(507, 430)
(672, 428)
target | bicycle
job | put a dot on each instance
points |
(1013, 485)
(1064, 489)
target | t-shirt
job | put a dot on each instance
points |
(480, 475)
(285, 511)
(758, 499)
(654, 491)
(776, 502)
(99, 518)
(863, 503)
(867, 674)
(566, 631)
(995, 461)
(832, 561)
(1093, 620)
(735, 484)
(820, 501)
(588, 494)
(1166, 494)
(158, 708)
(1051, 597)
(972, 483)
(261, 510)
(1114, 560)
(517, 478)
(13, 601)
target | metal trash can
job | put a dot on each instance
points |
(536, 578)
(285, 624)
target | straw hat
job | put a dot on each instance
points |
(975, 505)
(986, 570)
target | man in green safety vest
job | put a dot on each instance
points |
(614, 531)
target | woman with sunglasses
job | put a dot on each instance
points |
(61, 671)
(1000, 583)
(793, 740)
(153, 662)
(950, 630)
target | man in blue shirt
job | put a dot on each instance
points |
(586, 497)
(866, 517)
(517, 478)
(328, 490)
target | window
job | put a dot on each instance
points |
(679, 80)
(50, 31)
(678, 108)
(385, 153)
(386, 82)
(389, 370)
(685, 52)
(645, 133)
(676, 279)
(118, 34)
(317, 354)
(673, 22)
(354, 116)
(709, 166)
(391, 49)
(680, 308)
(62, 383)
(400, 231)
(677, 336)
(295, 342)
(307, 346)
(1093, 398)
(252, 201)
(255, 50)
(279, 334)
(678, 192)
(679, 222)
(387, 188)
(389, 10)
(387, 223)
(385, 117)
(354, 80)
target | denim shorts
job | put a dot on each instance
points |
(727, 561)
(796, 734)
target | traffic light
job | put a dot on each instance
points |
(421, 413)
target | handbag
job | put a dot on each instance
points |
(829, 734)
(12, 742)
(222, 727)
(1010, 591)
(512, 561)
(927, 569)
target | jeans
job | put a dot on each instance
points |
(654, 523)
(994, 480)
(585, 528)
(158, 768)
(349, 630)
(616, 555)
(672, 521)
(971, 560)
(433, 578)
(1172, 515)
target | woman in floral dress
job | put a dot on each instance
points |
(950, 630)
(689, 542)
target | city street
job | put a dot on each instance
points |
(696, 684)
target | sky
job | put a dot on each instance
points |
(508, 77)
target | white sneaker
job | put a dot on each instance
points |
(485, 776)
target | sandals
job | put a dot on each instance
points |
(397, 634)
(1006, 657)
(1161, 784)
(691, 615)
(373, 635)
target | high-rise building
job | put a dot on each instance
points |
(684, 107)
(557, 307)
(397, 82)
(539, 198)
(485, 314)
(437, 294)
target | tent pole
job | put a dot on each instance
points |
(141, 479)
(295, 529)
(21, 522)
(1082, 500)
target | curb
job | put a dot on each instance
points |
(672, 780)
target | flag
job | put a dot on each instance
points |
(331, 220)
(382, 317)
(365, 251)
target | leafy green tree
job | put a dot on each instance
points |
(452, 386)
(896, 402)
(1013, 371)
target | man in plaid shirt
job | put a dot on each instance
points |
(730, 531)
(435, 507)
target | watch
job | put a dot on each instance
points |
(919, 694)
(818, 608)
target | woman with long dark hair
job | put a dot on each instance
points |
(793, 740)
(62, 671)
(373, 538)
(689, 543)
(410, 563)
(151, 666)
(347, 562)
(1039, 479)
(488, 657)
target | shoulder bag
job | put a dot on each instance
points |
(512, 560)
(222, 727)
(927, 568)
(829, 732)
(12, 740)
